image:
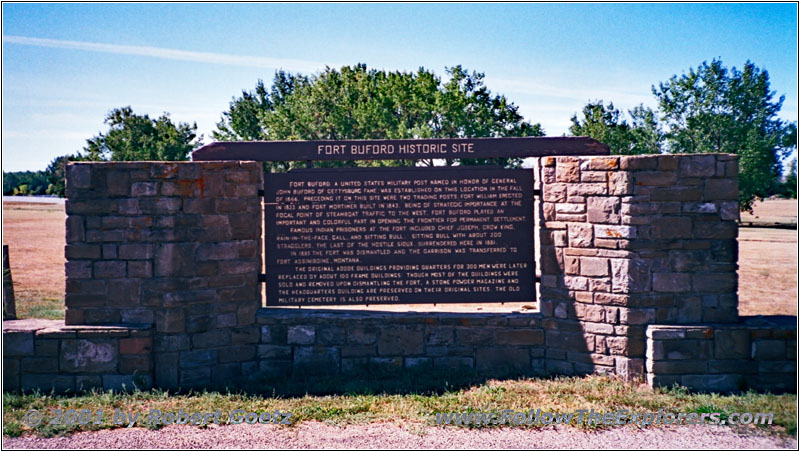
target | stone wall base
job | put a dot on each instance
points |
(758, 353)
(48, 355)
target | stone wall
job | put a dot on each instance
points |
(758, 353)
(173, 245)
(633, 252)
(628, 242)
(46, 354)
(330, 342)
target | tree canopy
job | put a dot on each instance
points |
(360, 103)
(607, 125)
(138, 137)
(708, 109)
(713, 109)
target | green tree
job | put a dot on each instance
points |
(713, 109)
(357, 103)
(56, 174)
(606, 124)
(25, 183)
(138, 137)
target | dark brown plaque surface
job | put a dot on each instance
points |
(399, 235)
(445, 148)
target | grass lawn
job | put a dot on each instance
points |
(367, 402)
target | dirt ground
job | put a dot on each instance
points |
(780, 211)
(35, 235)
(385, 435)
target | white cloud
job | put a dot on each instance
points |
(172, 54)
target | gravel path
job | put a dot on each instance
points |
(411, 436)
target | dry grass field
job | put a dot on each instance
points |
(35, 235)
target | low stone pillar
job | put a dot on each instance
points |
(629, 241)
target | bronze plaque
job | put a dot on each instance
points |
(399, 236)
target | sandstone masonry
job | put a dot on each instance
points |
(637, 258)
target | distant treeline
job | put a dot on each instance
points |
(26, 183)
(35, 183)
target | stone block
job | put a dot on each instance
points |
(520, 337)
(454, 363)
(774, 349)
(384, 366)
(92, 356)
(603, 210)
(638, 162)
(130, 364)
(198, 358)
(79, 176)
(18, 343)
(46, 347)
(245, 335)
(580, 235)
(630, 275)
(238, 353)
(502, 360)
(88, 382)
(594, 266)
(136, 251)
(135, 345)
(170, 321)
(316, 360)
(273, 334)
(690, 310)
(586, 189)
(47, 383)
(212, 338)
(626, 346)
(300, 334)
(721, 190)
(554, 192)
(636, 316)
(714, 282)
(655, 178)
(351, 351)
(40, 365)
(139, 189)
(166, 370)
(82, 251)
(716, 230)
(195, 377)
(274, 352)
(170, 342)
(697, 166)
(620, 183)
(175, 259)
(590, 312)
(567, 169)
(418, 363)
(614, 232)
(729, 211)
(109, 269)
(672, 282)
(594, 176)
(672, 228)
(436, 335)
(398, 340)
(773, 367)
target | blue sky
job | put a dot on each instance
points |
(66, 65)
